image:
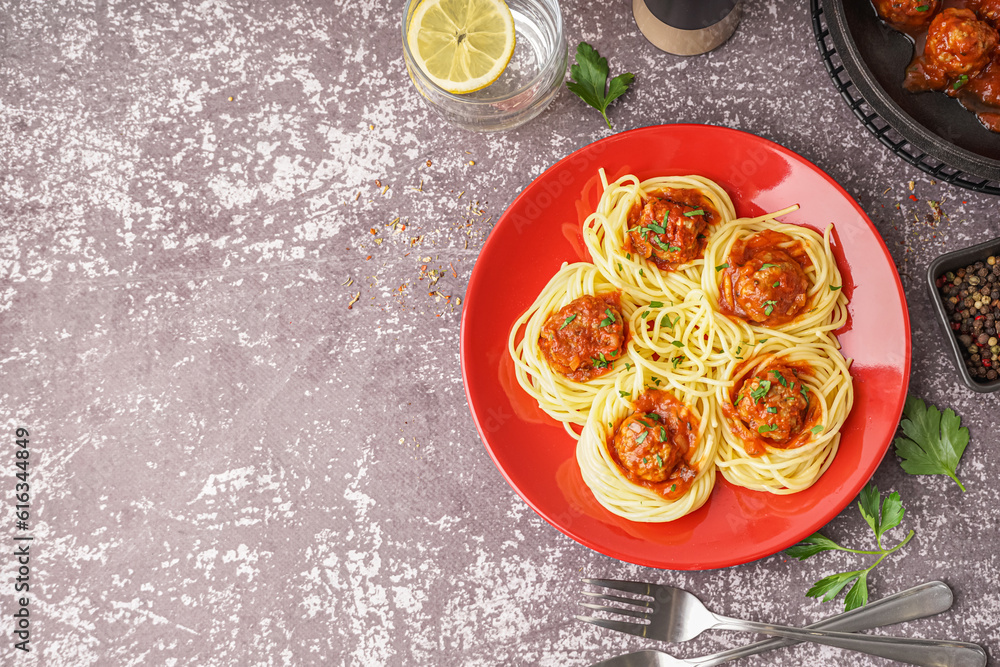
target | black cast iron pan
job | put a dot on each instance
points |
(867, 61)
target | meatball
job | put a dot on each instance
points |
(669, 228)
(959, 44)
(771, 287)
(649, 446)
(986, 10)
(584, 337)
(773, 404)
(907, 15)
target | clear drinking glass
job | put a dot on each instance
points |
(532, 78)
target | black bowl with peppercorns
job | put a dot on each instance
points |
(965, 288)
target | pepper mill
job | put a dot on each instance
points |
(687, 27)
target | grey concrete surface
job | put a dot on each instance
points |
(230, 466)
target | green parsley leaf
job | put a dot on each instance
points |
(817, 429)
(655, 417)
(880, 520)
(656, 304)
(590, 80)
(609, 320)
(780, 377)
(641, 273)
(858, 595)
(642, 436)
(619, 266)
(624, 394)
(646, 313)
(962, 80)
(934, 442)
(663, 434)
(776, 283)
(772, 410)
(628, 366)
(829, 587)
(923, 8)
(767, 428)
(697, 211)
(761, 391)
(677, 360)
(766, 266)
(812, 545)
(835, 288)
(677, 343)
(659, 460)
(722, 266)
(568, 320)
(769, 307)
(655, 380)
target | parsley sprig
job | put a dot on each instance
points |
(934, 442)
(881, 518)
(590, 80)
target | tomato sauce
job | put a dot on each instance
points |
(654, 444)
(583, 338)
(781, 410)
(669, 227)
(764, 280)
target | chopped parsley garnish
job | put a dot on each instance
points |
(665, 321)
(962, 80)
(923, 8)
(804, 392)
(835, 288)
(663, 434)
(697, 211)
(628, 256)
(641, 273)
(769, 307)
(568, 320)
(781, 378)
(767, 428)
(646, 313)
(641, 437)
(656, 304)
(677, 343)
(773, 410)
(600, 363)
(655, 417)
(659, 460)
(619, 266)
(739, 397)
(761, 391)
(766, 266)
(673, 487)
(655, 380)
(624, 394)
(677, 360)
(722, 266)
(817, 429)
(644, 461)
(628, 366)
(776, 283)
(610, 319)
(653, 227)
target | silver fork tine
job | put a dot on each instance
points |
(614, 598)
(628, 586)
(637, 629)
(616, 610)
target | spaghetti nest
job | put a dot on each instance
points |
(563, 392)
(723, 359)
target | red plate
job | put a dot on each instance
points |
(541, 230)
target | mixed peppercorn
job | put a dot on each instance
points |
(972, 301)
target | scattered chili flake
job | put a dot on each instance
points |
(368, 258)
(428, 163)
(453, 270)
(378, 183)
(373, 231)
(914, 198)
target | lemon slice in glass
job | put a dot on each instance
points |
(461, 45)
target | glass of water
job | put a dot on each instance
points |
(529, 82)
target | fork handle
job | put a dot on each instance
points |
(921, 601)
(922, 652)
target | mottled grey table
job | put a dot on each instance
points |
(229, 465)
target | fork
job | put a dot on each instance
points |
(676, 615)
(917, 602)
